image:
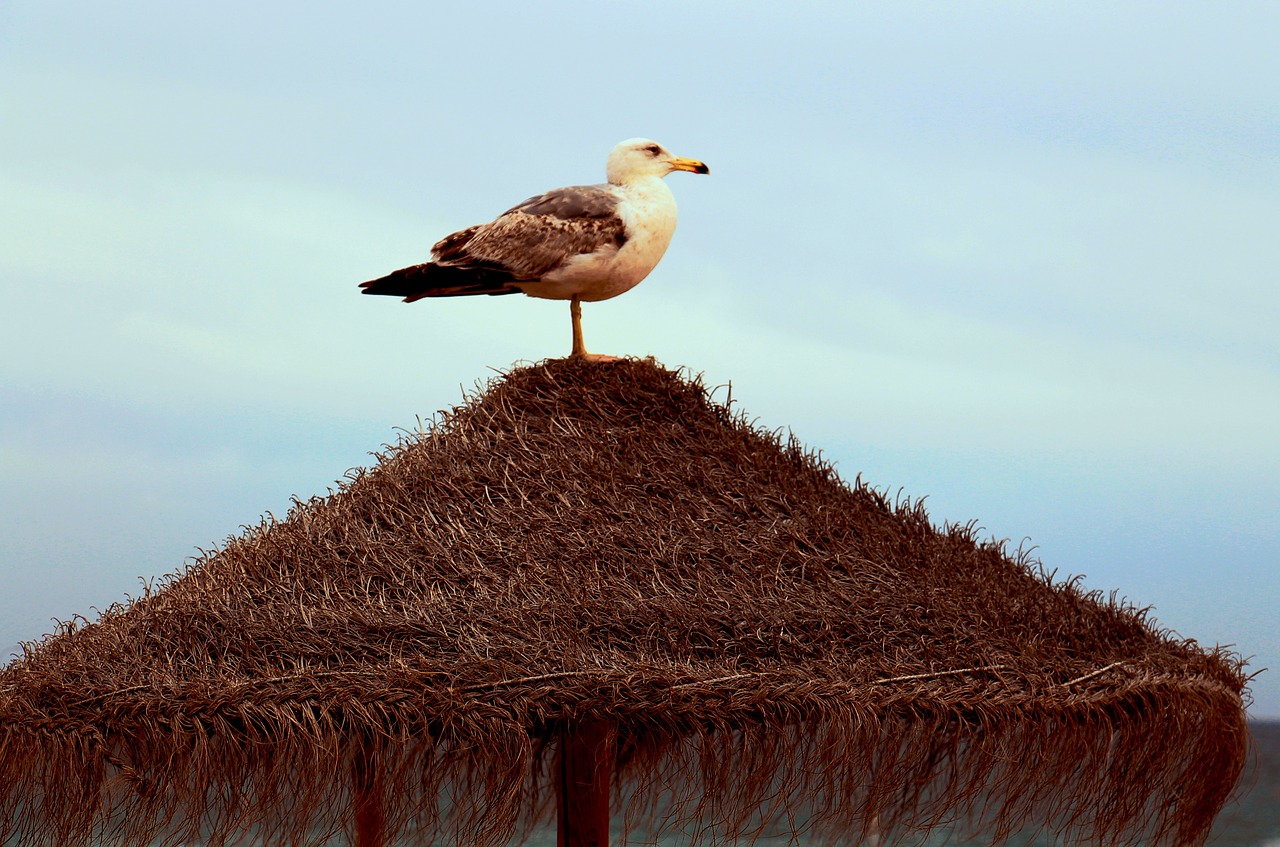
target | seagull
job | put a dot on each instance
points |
(581, 243)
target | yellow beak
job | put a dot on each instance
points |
(693, 166)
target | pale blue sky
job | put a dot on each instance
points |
(1018, 258)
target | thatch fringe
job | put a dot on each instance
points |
(771, 647)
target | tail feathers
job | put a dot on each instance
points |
(432, 280)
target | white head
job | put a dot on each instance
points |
(637, 158)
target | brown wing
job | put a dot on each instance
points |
(523, 244)
(539, 235)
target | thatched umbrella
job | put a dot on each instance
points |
(593, 580)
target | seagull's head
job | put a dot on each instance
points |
(637, 158)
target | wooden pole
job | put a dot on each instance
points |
(366, 797)
(585, 775)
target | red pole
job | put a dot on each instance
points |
(585, 775)
(367, 798)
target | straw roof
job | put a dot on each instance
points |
(606, 542)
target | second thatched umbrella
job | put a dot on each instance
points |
(698, 617)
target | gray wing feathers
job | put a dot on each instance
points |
(537, 236)
(578, 201)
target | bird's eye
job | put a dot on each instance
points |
(653, 149)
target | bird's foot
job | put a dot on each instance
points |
(594, 357)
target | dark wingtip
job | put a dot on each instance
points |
(401, 283)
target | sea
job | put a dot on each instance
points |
(1252, 818)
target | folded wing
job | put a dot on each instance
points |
(523, 245)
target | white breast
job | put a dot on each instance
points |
(648, 210)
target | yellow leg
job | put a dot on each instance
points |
(579, 349)
(575, 312)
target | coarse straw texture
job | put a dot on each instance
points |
(771, 647)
